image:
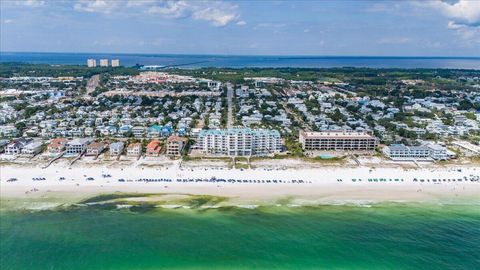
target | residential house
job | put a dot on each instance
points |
(134, 149)
(56, 146)
(95, 148)
(116, 148)
(77, 146)
(153, 148)
(15, 147)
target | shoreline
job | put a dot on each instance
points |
(251, 186)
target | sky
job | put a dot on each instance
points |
(350, 28)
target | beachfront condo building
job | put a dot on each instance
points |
(95, 148)
(15, 147)
(134, 149)
(115, 63)
(337, 141)
(423, 152)
(32, 149)
(56, 146)
(116, 148)
(153, 148)
(91, 63)
(239, 142)
(77, 146)
(175, 145)
(104, 62)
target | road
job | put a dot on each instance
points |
(230, 120)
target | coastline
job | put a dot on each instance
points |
(319, 185)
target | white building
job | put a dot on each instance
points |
(104, 62)
(91, 63)
(239, 142)
(116, 148)
(468, 148)
(15, 147)
(77, 146)
(138, 131)
(134, 149)
(8, 131)
(115, 63)
(32, 149)
(337, 141)
(423, 152)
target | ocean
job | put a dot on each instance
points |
(232, 61)
(383, 236)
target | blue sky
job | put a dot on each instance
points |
(393, 28)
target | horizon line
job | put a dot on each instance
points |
(247, 55)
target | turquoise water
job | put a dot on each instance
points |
(323, 237)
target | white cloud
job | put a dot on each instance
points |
(31, 3)
(170, 9)
(217, 16)
(273, 25)
(462, 12)
(218, 13)
(241, 23)
(306, 30)
(464, 18)
(97, 6)
(7, 21)
(394, 40)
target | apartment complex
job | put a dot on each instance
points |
(104, 62)
(423, 152)
(239, 142)
(337, 141)
(115, 63)
(91, 63)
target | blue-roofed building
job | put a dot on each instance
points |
(238, 142)
(154, 131)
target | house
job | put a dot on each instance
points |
(8, 131)
(77, 146)
(56, 146)
(134, 150)
(116, 148)
(138, 131)
(32, 149)
(153, 148)
(3, 144)
(95, 148)
(15, 147)
(175, 145)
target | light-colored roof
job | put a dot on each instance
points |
(337, 135)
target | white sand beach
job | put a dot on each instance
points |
(330, 184)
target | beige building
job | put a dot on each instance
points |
(104, 62)
(337, 141)
(91, 63)
(134, 149)
(175, 145)
(115, 63)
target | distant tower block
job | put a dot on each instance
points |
(115, 63)
(104, 62)
(91, 63)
